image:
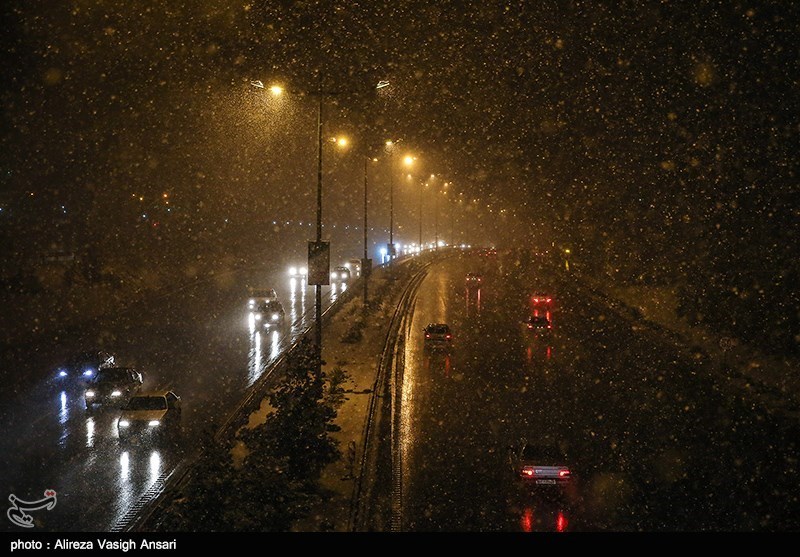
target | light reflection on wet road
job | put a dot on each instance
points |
(200, 341)
(644, 429)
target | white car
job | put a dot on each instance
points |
(150, 415)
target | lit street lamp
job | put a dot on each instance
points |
(389, 147)
(319, 251)
(366, 264)
(436, 193)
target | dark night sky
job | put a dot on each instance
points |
(674, 123)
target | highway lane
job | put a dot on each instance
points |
(198, 340)
(652, 441)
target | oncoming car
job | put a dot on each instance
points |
(354, 265)
(259, 295)
(151, 414)
(84, 365)
(112, 386)
(298, 272)
(340, 274)
(269, 315)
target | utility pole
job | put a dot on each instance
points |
(421, 185)
(364, 271)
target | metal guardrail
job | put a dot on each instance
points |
(142, 510)
(361, 501)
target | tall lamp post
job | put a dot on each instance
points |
(436, 212)
(389, 146)
(421, 187)
(319, 251)
(365, 262)
(408, 160)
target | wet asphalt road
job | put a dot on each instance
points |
(653, 443)
(198, 341)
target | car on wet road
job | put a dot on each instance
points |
(473, 279)
(438, 336)
(538, 325)
(539, 464)
(84, 365)
(269, 315)
(260, 295)
(298, 272)
(340, 274)
(150, 415)
(112, 386)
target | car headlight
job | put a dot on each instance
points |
(333, 275)
(292, 271)
(275, 316)
(116, 393)
(89, 394)
(152, 423)
(88, 372)
(124, 423)
(258, 317)
(303, 271)
(62, 373)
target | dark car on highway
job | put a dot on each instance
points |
(538, 325)
(260, 295)
(84, 365)
(438, 336)
(112, 386)
(473, 279)
(539, 464)
(269, 315)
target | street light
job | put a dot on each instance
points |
(409, 161)
(453, 218)
(436, 193)
(365, 261)
(389, 146)
(421, 185)
(320, 249)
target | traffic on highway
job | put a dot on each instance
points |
(105, 426)
(398, 266)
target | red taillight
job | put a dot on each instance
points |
(563, 473)
(449, 337)
(528, 472)
(561, 522)
(530, 325)
(427, 335)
